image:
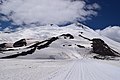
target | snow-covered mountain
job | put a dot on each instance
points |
(74, 41)
(50, 52)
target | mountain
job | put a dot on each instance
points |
(74, 41)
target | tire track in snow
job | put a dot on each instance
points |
(58, 74)
(107, 70)
(88, 70)
(82, 69)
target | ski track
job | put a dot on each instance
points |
(82, 69)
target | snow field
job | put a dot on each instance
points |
(82, 69)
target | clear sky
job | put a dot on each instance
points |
(109, 14)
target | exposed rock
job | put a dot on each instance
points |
(101, 48)
(98, 45)
(36, 44)
(81, 46)
(20, 54)
(81, 32)
(63, 45)
(3, 46)
(20, 43)
(105, 57)
(67, 36)
(69, 45)
(84, 37)
(48, 42)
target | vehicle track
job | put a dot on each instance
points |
(82, 69)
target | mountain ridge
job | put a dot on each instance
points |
(72, 41)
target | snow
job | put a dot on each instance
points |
(112, 32)
(81, 69)
(41, 33)
(61, 60)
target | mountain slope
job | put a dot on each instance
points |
(53, 42)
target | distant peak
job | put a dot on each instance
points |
(81, 25)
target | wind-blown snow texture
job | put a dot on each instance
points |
(83, 69)
(57, 53)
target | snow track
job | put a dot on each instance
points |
(83, 69)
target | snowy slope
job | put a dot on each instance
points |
(57, 53)
(82, 69)
(61, 48)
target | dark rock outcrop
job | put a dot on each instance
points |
(84, 37)
(36, 44)
(3, 46)
(101, 48)
(20, 54)
(105, 57)
(81, 46)
(48, 42)
(67, 36)
(20, 43)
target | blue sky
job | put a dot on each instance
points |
(109, 14)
